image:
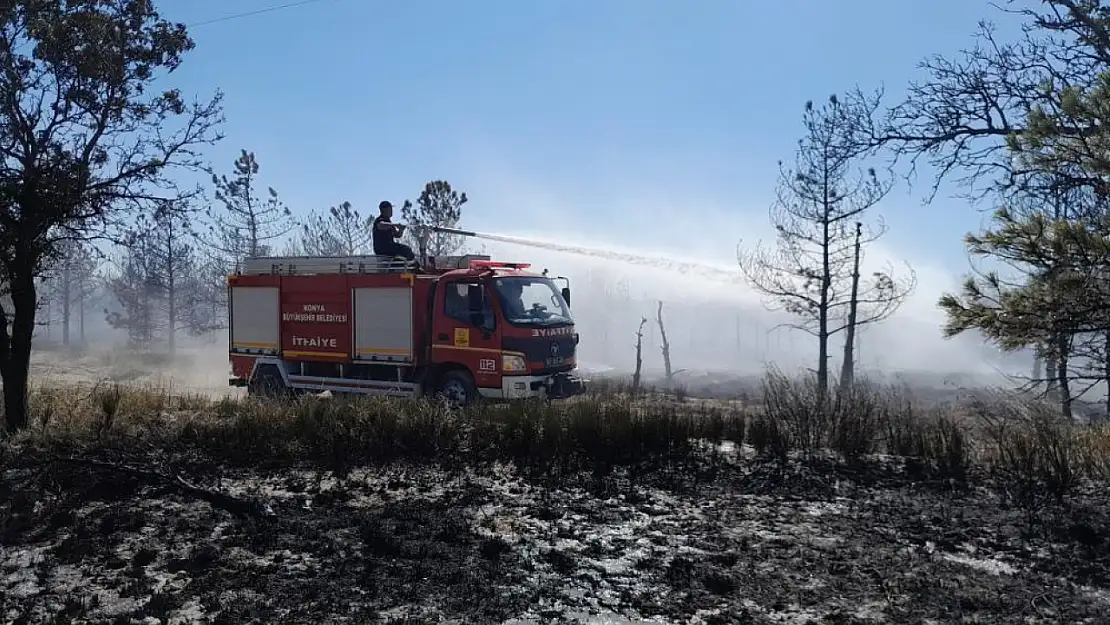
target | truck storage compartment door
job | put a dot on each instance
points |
(315, 318)
(254, 320)
(383, 324)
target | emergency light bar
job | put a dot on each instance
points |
(491, 264)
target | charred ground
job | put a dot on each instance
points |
(133, 506)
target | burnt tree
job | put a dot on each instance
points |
(665, 346)
(84, 268)
(212, 289)
(808, 273)
(639, 356)
(339, 231)
(248, 218)
(962, 116)
(66, 286)
(848, 366)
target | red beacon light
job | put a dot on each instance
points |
(496, 264)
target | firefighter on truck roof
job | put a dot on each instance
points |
(386, 234)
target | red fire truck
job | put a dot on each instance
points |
(465, 328)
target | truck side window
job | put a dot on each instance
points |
(456, 305)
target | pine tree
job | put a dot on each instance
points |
(438, 206)
(174, 276)
(131, 283)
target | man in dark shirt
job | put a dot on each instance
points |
(386, 234)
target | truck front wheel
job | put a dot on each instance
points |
(457, 388)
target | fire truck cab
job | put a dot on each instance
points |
(467, 328)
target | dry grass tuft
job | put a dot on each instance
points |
(599, 432)
(1026, 448)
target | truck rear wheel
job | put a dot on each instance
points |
(457, 388)
(266, 382)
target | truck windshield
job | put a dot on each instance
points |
(532, 302)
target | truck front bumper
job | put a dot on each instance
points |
(552, 386)
(564, 385)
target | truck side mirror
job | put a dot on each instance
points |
(566, 295)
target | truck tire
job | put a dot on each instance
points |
(456, 387)
(267, 382)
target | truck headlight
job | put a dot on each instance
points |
(513, 363)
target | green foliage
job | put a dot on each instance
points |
(1058, 261)
(1072, 133)
(1025, 121)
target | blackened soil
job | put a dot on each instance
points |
(84, 543)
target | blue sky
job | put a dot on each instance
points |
(646, 125)
(604, 108)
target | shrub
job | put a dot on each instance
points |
(1036, 451)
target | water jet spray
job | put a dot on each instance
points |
(704, 270)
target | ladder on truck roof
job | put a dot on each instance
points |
(325, 265)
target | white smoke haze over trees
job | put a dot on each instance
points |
(715, 321)
(723, 326)
(712, 325)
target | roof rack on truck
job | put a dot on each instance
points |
(496, 264)
(328, 265)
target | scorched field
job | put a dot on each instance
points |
(139, 506)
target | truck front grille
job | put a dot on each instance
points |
(539, 351)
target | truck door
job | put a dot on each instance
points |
(456, 338)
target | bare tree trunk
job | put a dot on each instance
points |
(848, 367)
(823, 312)
(666, 347)
(148, 331)
(67, 294)
(15, 349)
(639, 356)
(1045, 373)
(171, 288)
(1062, 374)
(172, 327)
(1106, 371)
